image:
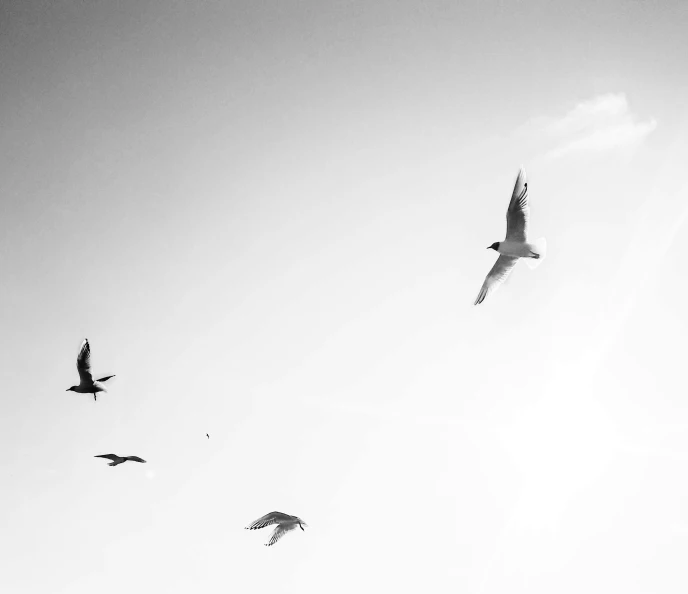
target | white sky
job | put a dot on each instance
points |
(270, 220)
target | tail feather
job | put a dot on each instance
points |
(539, 249)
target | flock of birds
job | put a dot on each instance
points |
(514, 247)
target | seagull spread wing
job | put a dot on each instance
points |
(104, 379)
(496, 276)
(518, 212)
(134, 459)
(279, 532)
(113, 457)
(83, 363)
(267, 519)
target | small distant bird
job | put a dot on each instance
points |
(284, 522)
(87, 384)
(208, 436)
(120, 459)
(516, 244)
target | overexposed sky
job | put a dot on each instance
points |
(270, 220)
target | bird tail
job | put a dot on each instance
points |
(539, 251)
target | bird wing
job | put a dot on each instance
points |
(83, 362)
(279, 532)
(518, 213)
(134, 459)
(104, 379)
(267, 519)
(113, 457)
(496, 276)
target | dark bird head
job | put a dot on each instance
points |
(494, 246)
(72, 389)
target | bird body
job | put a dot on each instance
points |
(285, 523)
(93, 388)
(515, 244)
(120, 459)
(516, 249)
(87, 385)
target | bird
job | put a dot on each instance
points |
(515, 245)
(208, 436)
(87, 384)
(284, 522)
(120, 459)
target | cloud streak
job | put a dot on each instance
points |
(597, 125)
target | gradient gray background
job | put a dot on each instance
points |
(270, 220)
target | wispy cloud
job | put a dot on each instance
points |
(599, 124)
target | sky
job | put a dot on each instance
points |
(270, 221)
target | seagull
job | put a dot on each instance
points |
(120, 459)
(208, 436)
(515, 245)
(284, 522)
(83, 365)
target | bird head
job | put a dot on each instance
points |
(494, 246)
(72, 389)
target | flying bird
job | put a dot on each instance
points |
(87, 384)
(515, 245)
(284, 522)
(120, 459)
(208, 436)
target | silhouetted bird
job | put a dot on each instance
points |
(516, 244)
(87, 384)
(284, 522)
(208, 436)
(119, 459)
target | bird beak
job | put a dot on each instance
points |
(489, 247)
